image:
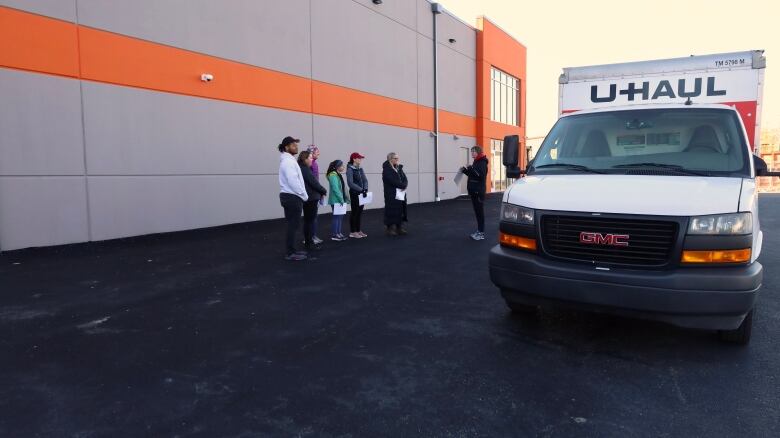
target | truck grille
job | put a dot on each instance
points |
(650, 243)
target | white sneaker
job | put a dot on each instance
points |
(478, 236)
(316, 240)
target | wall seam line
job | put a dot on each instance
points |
(311, 72)
(83, 126)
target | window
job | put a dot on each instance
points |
(497, 171)
(504, 98)
(674, 141)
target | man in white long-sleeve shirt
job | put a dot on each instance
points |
(292, 193)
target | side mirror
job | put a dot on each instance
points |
(511, 156)
(761, 168)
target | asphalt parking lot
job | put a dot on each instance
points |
(211, 333)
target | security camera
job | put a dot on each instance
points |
(205, 77)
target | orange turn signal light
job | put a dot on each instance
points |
(717, 256)
(517, 242)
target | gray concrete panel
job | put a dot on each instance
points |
(447, 187)
(41, 211)
(61, 9)
(453, 152)
(131, 206)
(266, 33)
(424, 71)
(465, 36)
(139, 132)
(40, 125)
(338, 138)
(424, 18)
(427, 193)
(357, 48)
(452, 155)
(457, 82)
(457, 78)
(402, 11)
(425, 153)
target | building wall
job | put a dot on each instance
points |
(106, 130)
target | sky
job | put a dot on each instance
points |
(570, 33)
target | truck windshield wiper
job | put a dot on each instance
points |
(568, 166)
(670, 167)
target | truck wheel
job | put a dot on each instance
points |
(521, 309)
(741, 335)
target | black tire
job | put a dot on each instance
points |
(740, 335)
(521, 309)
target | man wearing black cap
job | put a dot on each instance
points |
(292, 193)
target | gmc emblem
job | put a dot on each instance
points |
(590, 238)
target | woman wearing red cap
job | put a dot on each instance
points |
(358, 186)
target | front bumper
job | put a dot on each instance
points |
(716, 298)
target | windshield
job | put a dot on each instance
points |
(669, 141)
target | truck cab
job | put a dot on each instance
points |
(646, 211)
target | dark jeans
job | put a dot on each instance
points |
(478, 201)
(314, 223)
(293, 206)
(356, 213)
(309, 215)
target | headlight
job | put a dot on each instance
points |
(517, 214)
(722, 224)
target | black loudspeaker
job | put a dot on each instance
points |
(511, 156)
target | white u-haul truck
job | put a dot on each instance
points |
(642, 199)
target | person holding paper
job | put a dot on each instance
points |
(336, 198)
(395, 183)
(315, 192)
(476, 187)
(358, 187)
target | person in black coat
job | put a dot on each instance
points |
(394, 179)
(476, 187)
(315, 191)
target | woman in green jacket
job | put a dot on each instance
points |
(336, 197)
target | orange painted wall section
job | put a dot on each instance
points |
(495, 48)
(40, 44)
(36, 43)
(116, 59)
(332, 100)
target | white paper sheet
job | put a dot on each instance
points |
(369, 198)
(339, 209)
(458, 177)
(400, 194)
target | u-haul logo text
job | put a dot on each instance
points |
(685, 88)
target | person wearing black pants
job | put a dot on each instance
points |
(293, 206)
(315, 191)
(476, 187)
(358, 187)
(292, 194)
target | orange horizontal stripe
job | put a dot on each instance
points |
(336, 101)
(116, 59)
(52, 46)
(33, 42)
(449, 122)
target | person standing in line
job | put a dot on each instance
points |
(292, 194)
(336, 196)
(315, 192)
(476, 187)
(315, 169)
(394, 179)
(358, 186)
